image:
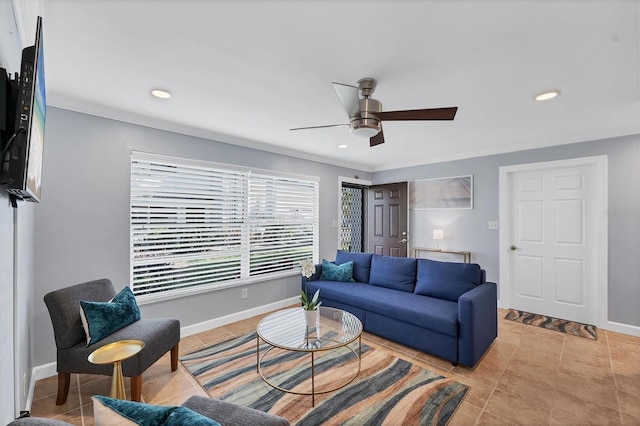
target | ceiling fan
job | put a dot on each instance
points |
(366, 115)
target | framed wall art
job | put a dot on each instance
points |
(448, 193)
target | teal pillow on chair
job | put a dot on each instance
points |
(333, 272)
(109, 411)
(100, 319)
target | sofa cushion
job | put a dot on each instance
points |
(161, 333)
(428, 312)
(361, 264)
(446, 280)
(398, 273)
(100, 319)
(333, 272)
(109, 411)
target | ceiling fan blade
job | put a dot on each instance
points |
(377, 139)
(419, 114)
(320, 127)
(349, 97)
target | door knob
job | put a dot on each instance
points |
(514, 248)
(404, 240)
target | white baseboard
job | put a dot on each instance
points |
(617, 327)
(38, 372)
(47, 370)
(43, 371)
(238, 316)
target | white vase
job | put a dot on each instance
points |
(311, 317)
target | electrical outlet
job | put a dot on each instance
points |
(245, 293)
(493, 224)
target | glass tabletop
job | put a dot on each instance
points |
(287, 329)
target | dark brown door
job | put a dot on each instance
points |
(387, 223)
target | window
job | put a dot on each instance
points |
(197, 225)
(283, 222)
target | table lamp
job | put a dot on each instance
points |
(438, 234)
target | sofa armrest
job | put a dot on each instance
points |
(37, 421)
(228, 414)
(316, 275)
(478, 322)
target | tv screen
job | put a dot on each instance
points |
(25, 161)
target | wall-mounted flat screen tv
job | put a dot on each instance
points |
(25, 160)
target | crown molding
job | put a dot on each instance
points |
(158, 124)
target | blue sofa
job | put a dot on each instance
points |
(443, 308)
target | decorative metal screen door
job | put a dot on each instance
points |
(352, 218)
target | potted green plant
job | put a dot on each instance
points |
(310, 306)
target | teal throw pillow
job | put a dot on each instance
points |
(333, 272)
(109, 411)
(100, 319)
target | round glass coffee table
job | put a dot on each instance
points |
(286, 331)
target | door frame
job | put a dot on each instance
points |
(355, 181)
(599, 164)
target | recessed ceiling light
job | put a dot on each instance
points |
(343, 146)
(159, 93)
(546, 95)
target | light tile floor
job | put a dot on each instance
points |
(529, 376)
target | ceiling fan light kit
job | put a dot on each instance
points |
(366, 115)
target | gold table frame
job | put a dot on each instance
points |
(295, 336)
(115, 353)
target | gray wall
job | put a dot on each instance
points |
(16, 283)
(82, 222)
(468, 229)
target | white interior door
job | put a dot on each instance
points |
(552, 236)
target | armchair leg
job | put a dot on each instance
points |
(136, 388)
(64, 379)
(174, 357)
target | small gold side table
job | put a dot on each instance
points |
(115, 353)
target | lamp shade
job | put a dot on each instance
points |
(438, 234)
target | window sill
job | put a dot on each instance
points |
(148, 299)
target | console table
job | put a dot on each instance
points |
(466, 255)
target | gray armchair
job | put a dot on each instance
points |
(160, 336)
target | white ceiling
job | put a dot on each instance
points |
(244, 72)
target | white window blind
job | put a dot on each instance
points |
(200, 224)
(283, 220)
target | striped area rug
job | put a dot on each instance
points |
(387, 391)
(551, 323)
